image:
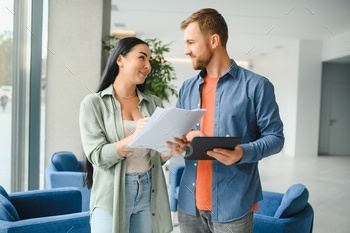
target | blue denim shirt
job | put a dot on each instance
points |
(245, 106)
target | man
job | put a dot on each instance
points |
(220, 195)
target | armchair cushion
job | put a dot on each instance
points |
(56, 202)
(3, 192)
(65, 161)
(269, 204)
(7, 210)
(293, 201)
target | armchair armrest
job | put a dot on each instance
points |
(49, 202)
(72, 223)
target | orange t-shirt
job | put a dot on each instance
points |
(205, 167)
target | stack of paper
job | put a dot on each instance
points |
(164, 125)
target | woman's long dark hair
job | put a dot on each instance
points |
(110, 73)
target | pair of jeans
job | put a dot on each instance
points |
(202, 223)
(137, 206)
(138, 202)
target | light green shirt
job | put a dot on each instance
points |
(101, 127)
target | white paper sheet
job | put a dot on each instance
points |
(164, 125)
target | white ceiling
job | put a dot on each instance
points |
(256, 28)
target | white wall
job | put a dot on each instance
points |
(336, 47)
(75, 31)
(309, 98)
(295, 71)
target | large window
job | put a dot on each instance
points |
(22, 85)
(6, 51)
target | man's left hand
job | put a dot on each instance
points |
(227, 157)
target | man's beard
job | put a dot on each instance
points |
(202, 62)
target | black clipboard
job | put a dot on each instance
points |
(200, 145)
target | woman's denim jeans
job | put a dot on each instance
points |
(138, 202)
(137, 206)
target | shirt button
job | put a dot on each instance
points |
(153, 214)
(193, 184)
(197, 124)
(195, 164)
(152, 190)
(199, 105)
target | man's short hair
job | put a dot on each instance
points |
(210, 22)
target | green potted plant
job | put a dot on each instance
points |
(159, 80)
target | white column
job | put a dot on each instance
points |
(75, 32)
(309, 98)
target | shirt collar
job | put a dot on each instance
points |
(232, 71)
(107, 91)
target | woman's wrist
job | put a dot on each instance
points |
(165, 157)
(122, 148)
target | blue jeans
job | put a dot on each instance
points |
(202, 223)
(138, 202)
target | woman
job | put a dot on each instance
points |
(128, 192)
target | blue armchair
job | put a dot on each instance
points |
(285, 213)
(65, 170)
(174, 182)
(39, 211)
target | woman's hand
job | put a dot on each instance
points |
(140, 124)
(178, 146)
(194, 133)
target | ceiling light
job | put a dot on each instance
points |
(123, 33)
